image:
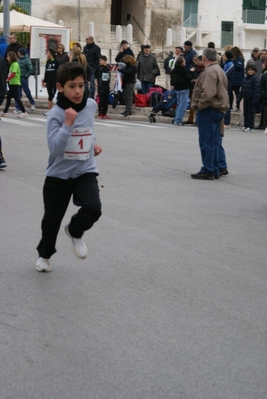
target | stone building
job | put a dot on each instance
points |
(241, 23)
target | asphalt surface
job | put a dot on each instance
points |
(172, 300)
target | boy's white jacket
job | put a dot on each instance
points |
(58, 135)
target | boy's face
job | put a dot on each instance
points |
(73, 89)
(48, 54)
(102, 62)
(250, 71)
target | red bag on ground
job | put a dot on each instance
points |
(141, 100)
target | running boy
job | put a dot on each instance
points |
(71, 169)
(102, 75)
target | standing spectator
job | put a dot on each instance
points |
(3, 46)
(250, 95)
(263, 96)
(62, 56)
(228, 67)
(102, 75)
(140, 52)
(168, 70)
(212, 45)
(147, 69)
(189, 53)
(14, 45)
(3, 75)
(92, 53)
(79, 57)
(239, 65)
(256, 58)
(50, 77)
(178, 51)
(210, 100)
(181, 82)
(13, 80)
(26, 69)
(129, 78)
(2, 159)
(124, 50)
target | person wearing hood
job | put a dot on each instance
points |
(26, 69)
(3, 46)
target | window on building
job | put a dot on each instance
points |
(190, 13)
(227, 33)
(254, 11)
(25, 5)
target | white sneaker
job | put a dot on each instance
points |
(248, 130)
(43, 265)
(46, 113)
(23, 115)
(243, 129)
(79, 247)
(17, 111)
(3, 114)
(33, 107)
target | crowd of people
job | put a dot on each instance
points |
(210, 82)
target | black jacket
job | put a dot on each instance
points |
(180, 78)
(263, 88)
(129, 73)
(51, 71)
(120, 55)
(92, 53)
(250, 89)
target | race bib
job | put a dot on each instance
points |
(79, 144)
(105, 76)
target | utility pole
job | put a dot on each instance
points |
(6, 15)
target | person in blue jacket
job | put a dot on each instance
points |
(228, 67)
(3, 46)
(239, 67)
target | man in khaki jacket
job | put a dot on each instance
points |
(210, 100)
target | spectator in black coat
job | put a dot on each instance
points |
(129, 78)
(250, 95)
(124, 50)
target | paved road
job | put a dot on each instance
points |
(171, 302)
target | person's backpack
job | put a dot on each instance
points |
(155, 98)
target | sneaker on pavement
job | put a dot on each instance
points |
(33, 107)
(43, 265)
(23, 115)
(248, 129)
(2, 163)
(17, 111)
(78, 245)
(236, 109)
(46, 113)
(243, 129)
(3, 114)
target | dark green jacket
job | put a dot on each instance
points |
(26, 68)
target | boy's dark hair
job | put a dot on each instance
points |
(103, 57)
(179, 61)
(52, 51)
(211, 45)
(70, 71)
(124, 42)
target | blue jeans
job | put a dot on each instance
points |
(208, 122)
(25, 87)
(146, 86)
(181, 101)
(221, 158)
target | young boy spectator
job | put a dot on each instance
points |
(102, 75)
(50, 76)
(72, 169)
(250, 94)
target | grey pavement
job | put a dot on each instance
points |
(172, 300)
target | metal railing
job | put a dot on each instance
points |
(227, 38)
(254, 16)
(25, 6)
(191, 22)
